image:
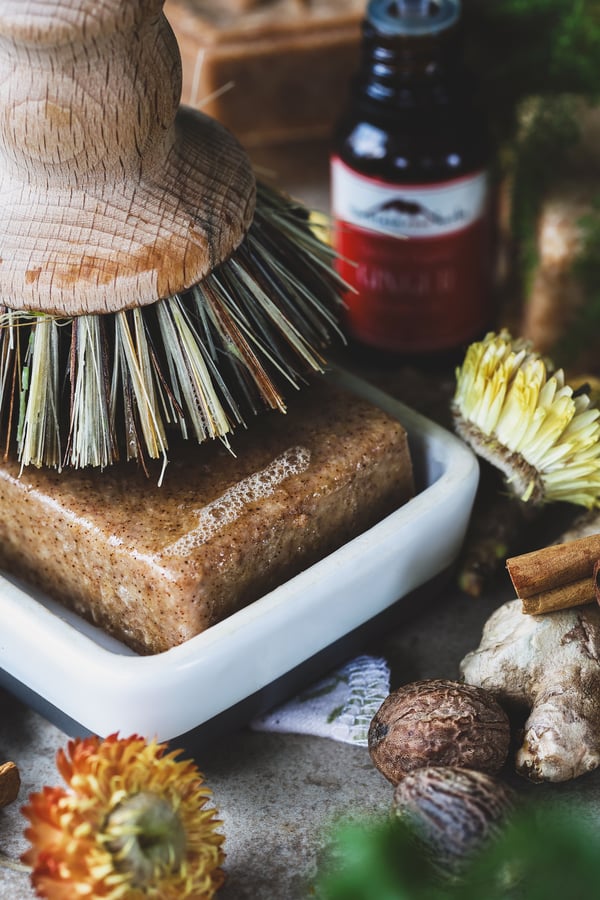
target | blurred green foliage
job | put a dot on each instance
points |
(584, 330)
(542, 854)
(531, 48)
(531, 58)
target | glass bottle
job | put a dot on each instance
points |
(410, 188)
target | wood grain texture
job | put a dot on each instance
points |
(554, 566)
(565, 596)
(113, 196)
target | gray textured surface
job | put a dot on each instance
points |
(278, 793)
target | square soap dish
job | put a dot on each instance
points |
(85, 681)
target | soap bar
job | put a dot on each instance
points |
(238, 6)
(276, 72)
(155, 565)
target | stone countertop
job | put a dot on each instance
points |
(278, 794)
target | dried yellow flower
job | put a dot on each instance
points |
(528, 422)
(132, 824)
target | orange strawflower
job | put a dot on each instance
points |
(133, 824)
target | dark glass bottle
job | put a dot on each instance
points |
(411, 198)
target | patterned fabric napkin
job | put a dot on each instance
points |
(340, 706)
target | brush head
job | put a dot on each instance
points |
(113, 196)
(528, 423)
(147, 283)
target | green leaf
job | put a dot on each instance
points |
(381, 860)
(543, 853)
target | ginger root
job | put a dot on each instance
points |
(551, 665)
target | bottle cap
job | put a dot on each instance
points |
(413, 17)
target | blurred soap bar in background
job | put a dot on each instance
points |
(270, 70)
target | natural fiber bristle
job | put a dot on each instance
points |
(528, 423)
(85, 391)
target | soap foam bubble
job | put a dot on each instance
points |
(225, 509)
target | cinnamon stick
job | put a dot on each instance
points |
(556, 577)
(562, 597)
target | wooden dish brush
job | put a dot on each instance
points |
(147, 282)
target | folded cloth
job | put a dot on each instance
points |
(340, 706)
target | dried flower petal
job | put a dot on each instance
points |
(131, 824)
(528, 423)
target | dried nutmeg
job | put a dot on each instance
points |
(10, 782)
(438, 723)
(454, 811)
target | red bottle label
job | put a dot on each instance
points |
(418, 257)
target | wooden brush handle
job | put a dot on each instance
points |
(114, 197)
(94, 87)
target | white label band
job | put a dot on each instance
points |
(407, 210)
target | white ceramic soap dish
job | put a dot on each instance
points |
(86, 681)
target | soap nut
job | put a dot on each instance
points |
(437, 722)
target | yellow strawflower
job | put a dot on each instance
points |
(133, 823)
(526, 421)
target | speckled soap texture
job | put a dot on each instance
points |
(156, 564)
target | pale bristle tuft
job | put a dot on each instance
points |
(89, 390)
(528, 422)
